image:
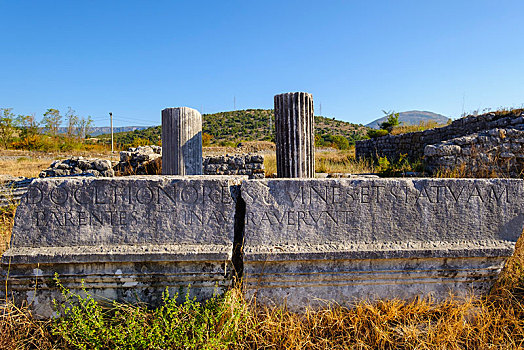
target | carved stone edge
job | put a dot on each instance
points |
(100, 254)
(373, 251)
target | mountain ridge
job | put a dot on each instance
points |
(413, 117)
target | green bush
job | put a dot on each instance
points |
(372, 133)
(85, 324)
(399, 167)
(340, 142)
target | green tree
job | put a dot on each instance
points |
(28, 124)
(391, 121)
(7, 126)
(72, 122)
(52, 120)
(84, 125)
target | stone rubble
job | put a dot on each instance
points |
(142, 160)
(79, 166)
(249, 164)
(495, 151)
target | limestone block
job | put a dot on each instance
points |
(307, 241)
(446, 150)
(430, 150)
(129, 238)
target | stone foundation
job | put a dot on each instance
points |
(79, 166)
(251, 165)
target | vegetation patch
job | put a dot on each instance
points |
(227, 129)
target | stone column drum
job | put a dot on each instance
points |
(181, 141)
(295, 138)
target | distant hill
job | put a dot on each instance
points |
(100, 130)
(247, 125)
(412, 118)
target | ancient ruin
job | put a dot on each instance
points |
(296, 240)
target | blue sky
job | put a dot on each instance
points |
(357, 58)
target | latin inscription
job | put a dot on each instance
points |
(132, 205)
(332, 204)
(129, 195)
(378, 194)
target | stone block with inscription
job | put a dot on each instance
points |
(127, 238)
(341, 240)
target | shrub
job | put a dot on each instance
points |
(86, 324)
(399, 167)
(206, 139)
(373, 133)
(340, 142)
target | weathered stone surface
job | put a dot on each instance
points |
(128, 238)
(181, 141)
(347, 239)
(295, 135)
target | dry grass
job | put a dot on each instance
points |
(341, 162)
(7, 215)
(270, 164)
(495, 321)
(20, 330)
(335, 161)
(30, 163)
(23, 166)
(421, 126)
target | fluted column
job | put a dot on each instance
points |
(295, 135)
(181, 141)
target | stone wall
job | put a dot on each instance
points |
(248, 164)
(413, 143)
(491, 153)
(147, 160)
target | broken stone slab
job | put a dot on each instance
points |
(342, 240)
(127, 238)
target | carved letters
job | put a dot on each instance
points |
(331, 203)
(111, 205)
(99, 195)
(127, 210)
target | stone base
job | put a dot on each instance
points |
(127, 274)
(321, 278)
